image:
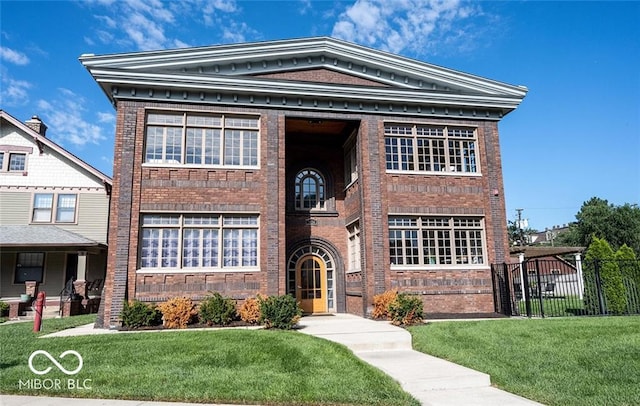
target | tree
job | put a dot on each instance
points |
(630, 270)
(514, 233)
(618, 225)
(601, 272)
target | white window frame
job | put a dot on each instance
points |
(437, 242)
(353, 247)
(432, 149)
(350, 161)
(220, 134)
(56, 208)
(166, 235)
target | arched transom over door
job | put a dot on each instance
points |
(311, 278)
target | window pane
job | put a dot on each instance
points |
(212, 147)
(174, 145)
(250, 247)
(164, 118)
(66, 210)
(29, 267)
(17, 162)
(42, 207)
(208, 121)
(149, 250)
(250, 148)
(153, 148)
(241, 122)
(169, 248)
(193, 151)
(210, 248)
(232, 147)
(1, 161)
(231, 248)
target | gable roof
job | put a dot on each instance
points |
(245, 74)
(43, 142)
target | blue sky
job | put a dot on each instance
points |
(576, 135)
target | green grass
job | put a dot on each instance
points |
(216, 366)
(565, 361)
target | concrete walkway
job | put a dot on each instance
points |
(433, 381)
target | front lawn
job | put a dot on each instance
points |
(569, 361)
(216, 366)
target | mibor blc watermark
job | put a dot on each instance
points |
(55, 383)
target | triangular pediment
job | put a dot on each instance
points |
(321, 75)
(299, 68)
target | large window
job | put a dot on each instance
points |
(198, 139)
(63, 205)
(29, 267)
(309, 190)
(199, 241)
(430, 148)
(430, 240)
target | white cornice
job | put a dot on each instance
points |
(243, 85)
(323, 51)
(236, 72)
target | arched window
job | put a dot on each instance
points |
(310, 193)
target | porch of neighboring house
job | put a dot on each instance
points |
(67, 267)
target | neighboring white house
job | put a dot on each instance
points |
(54, 210)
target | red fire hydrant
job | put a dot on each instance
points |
(37, 322)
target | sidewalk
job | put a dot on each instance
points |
(431, 380)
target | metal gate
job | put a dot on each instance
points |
(557, 287)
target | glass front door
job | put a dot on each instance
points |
(311, 284)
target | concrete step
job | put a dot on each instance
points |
(356, 333)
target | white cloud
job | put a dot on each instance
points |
(147, 24)
(65, 118)
(106, 118)
(13, 92)
(12, 56)
(418, 26)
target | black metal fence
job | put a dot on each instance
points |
(571, 287)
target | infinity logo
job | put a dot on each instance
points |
(56, 363)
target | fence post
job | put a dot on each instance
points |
(539, 288)
(525, 284)
(601, 303)
(507, 284)
(579, 275)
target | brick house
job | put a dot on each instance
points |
(313, 166)
(54, 210)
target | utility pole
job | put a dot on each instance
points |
(520, 226)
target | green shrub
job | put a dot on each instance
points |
(406, 310)
(138, 314)
(4, 308)
(217, 310)
(599, 259)
(280, 312)
(177, 312)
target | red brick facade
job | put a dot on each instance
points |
(290, 140)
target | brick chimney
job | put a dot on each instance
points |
(37, 125)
